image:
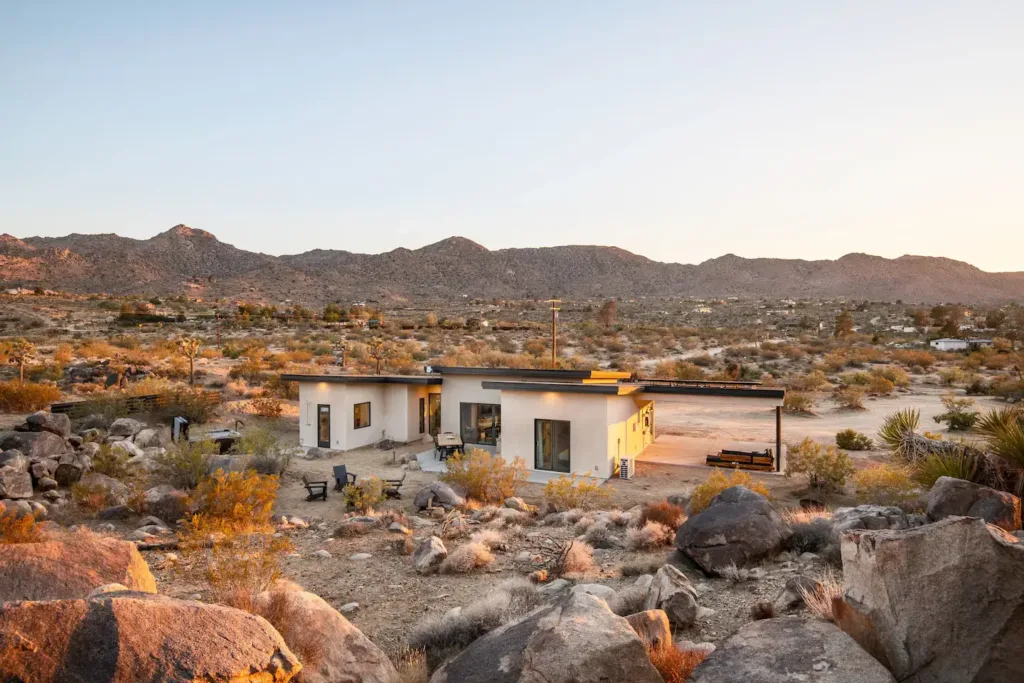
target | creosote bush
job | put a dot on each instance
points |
(673, 663)
(25, 397)
(186, 463)
(466, 558)
(826, 467)
(650, 536)
(884, 484)
(485, 477)
(578, 559)
(717, 482)
(849, 398)
(267, 455)
(574, 491)
(798, 402)
(16, 528)
(662, 512)
(365, 494)
(852, 440)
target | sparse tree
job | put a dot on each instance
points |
(606, 315)
(995, 319)
(378, 351)
(950, 328)
(19, 352)
(189, 347)
(844, 325)
(920, 318)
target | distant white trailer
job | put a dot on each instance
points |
(948, 344)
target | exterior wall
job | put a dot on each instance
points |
(361, 393)
(412, 426)
(312, 394)
(627, 433)
(591, 426)
(393, 410)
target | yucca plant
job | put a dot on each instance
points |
(962, 465)
(1003, 431)
(897, 432)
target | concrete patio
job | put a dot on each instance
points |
(429, 463)
(691, 451)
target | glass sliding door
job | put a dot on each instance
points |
(480, 423)
(551, 444)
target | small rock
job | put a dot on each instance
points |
(322, 554)
(359, 557)
(556, 586)
(349, 608)
(46, 484)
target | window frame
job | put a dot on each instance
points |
(495, 413)
(536, 445)
(355, 414)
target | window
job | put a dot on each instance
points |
(480, 423)
(362, 415)
(551, 441)
(423, 415)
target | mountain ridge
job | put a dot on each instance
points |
(187, 259)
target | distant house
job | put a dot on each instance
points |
(950, 344)
(702, 309)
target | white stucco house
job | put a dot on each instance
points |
(555, 420)
(951, 344)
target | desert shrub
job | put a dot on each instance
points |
(412, 666)
(239, 570)
(718, 482)
(673, 663)
(812, 381)
(884, 484)
(897, 375)
(820, 600)
(267, 406)
(762, 609)
(826, 467)
(365, 494)
(466, 558)
(952, 375)
(958, 416)
(880, 385)
(186, 463)
(959, 465)
(574, 491)
(234, 502)
(600, 535)
(649, 536)
(91, 497)
(442, 636)
(912, 358)
(577, 558)
(113, 463)
(15, 528)
(849, 398)
(24, 397)
(662, 512)
(811, 536)
(489, 538)
(267, 455)
(196, 405)
(485, 477)
(308, 647)
(798, 402)
(852, 440)
(628, 600)
(734, 574)
(643, 565)
(350, 529)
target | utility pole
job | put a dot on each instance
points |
(554, 331)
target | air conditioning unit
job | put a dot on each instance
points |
(626, 468)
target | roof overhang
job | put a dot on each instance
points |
(364, 379)
(591, 376)
(563, 388)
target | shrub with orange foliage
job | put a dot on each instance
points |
(18, 529)
(674, 664)
(662, 512)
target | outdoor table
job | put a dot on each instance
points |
(448, 443)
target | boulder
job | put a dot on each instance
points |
(739, 527)
(792, 594)
(517, 503)
(120, 637)
(15, 483)
(55, 423)
(90, 448)
(671, 592)
(16, 459)
(69, 566)
(438, 493)
(127, 448)
(33, 444)
(652, 626)
(46, 484)
(596, 589)
(165, 502)
(42, 468)
(117, 492)
(318, 453)
(143, 464)
(147, 438)
(790, 649)
(19, 508)
(71, 467)
(871, 517)
(125, 426)
(429, 555)
(940, 603)
(951, 497)
(576, 639)
(331, 648)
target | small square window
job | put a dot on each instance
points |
(361, 412)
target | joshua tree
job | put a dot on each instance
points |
(189, 348)
(379, 351)
(844, 325)
(19, 352)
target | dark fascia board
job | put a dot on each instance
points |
(364, 379)
(737, 392)
(562, 387)
(508, 372)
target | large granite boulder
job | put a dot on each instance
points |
(70, 566)
(671, 592)
(33, 444)
(790, 649)
(331, 649)
(942, 603)
(126, 448)
(16, 459)
(652, 626)
(166, 502)
(126, 637)
(15, 483)
(55, 423)
(438, 493)
(147, 438)
(117, 492)
(958, 498)
(577, 639)
(126, 427)
(739, 527)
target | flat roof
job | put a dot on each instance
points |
(563, 387)
(532, 373)
(628, 388)
(364, 379)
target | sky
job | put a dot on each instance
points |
(678, 130)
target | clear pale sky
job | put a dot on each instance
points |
(678, 130)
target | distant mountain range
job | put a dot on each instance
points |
(187, 260)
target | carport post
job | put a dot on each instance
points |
(778, 438)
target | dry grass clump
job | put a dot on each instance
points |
(718, 482)
(578, 559)
(350, 529)
(411, 666)
(763, 609)
(643, 565)
(826, 467)
(466, 558)
(650, 536)
(885, 484)
(16, 528)
(805, 515)
(442, 636)
(662, 512)
(566, 518)
(574, 491)
(735, 574)
(821, 599)
(675, 665)
(308, 647)
(600, 535)
(485, 477)
(488, 538)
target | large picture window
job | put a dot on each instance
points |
(551, 441)
(361, 415)
(480, 423)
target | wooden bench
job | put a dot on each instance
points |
(315, 489)
(760, 461)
